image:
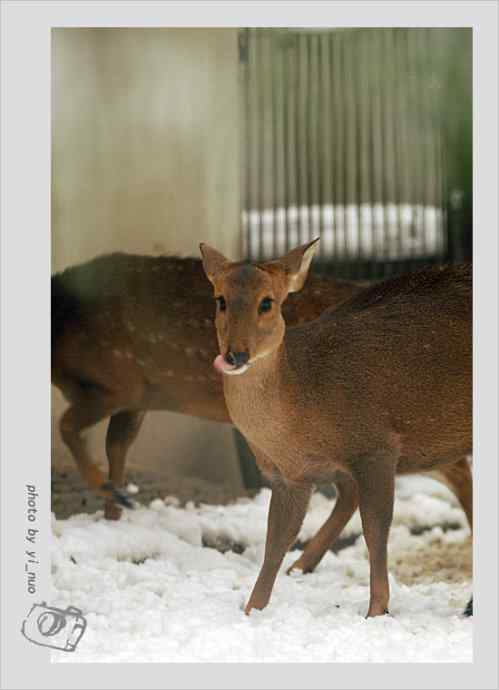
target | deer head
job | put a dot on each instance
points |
(249, 297)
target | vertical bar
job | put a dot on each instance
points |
(411, 138)
(300, 162)
(356, 42)
(269, 201)
(444, 181)
(285, 143)
(334, 149)
(407, 144)
(362, 98)
(417, 179)
(245, 116)
(306, 117)
(347, 160)
(261, 141)
(253, 220)
(439, 43)
(352, 232)
(314, 118)
(423, 93)
(339, 148)
(372, 147)
(308, 133)
(389, 126)
(382, 271)
(324, 136)
(293, 139)
(274, 81)
(430, 171)
(397, 146)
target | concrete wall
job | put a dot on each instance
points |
(145, 159)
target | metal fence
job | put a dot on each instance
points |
(362, 136)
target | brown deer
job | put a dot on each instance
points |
(134, 333)
(379, 386)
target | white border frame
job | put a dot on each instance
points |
(25, 270)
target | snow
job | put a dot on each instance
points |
(385, 232)
(151, 591)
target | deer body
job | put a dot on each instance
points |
(379, 386)
(331, 400)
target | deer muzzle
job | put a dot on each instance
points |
(232, 363)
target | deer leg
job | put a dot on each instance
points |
(459, 480)
(345, 506)
(287, 510)
(75, 420)
(375, 477)
(121, 433)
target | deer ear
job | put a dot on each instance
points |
(296, 264)
(213, 261)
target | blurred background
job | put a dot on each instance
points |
(255, 140)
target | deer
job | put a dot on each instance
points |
(133, 333)
(379, 386)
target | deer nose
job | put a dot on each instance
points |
(237, 359)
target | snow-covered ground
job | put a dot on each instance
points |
(151, 591)
(384, 232)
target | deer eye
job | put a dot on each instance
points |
(265, 305)
(221, 303)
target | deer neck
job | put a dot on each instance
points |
(251, 396)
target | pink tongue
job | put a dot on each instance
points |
(222, 365)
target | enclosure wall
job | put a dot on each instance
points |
(145, 145)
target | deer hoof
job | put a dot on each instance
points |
(376, 611)
(468, 611)
(119, 496)
(300, 566)
(258, 603)
(112, 511)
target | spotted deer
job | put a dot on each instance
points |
(379, 386)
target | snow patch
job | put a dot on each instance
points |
(151, 591)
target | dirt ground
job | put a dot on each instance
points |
(70, 495)
(452, 562)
